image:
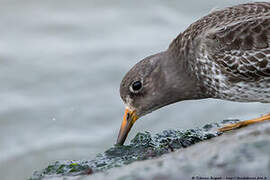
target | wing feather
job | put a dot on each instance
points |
(242, 48)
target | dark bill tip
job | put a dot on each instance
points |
(129, 119)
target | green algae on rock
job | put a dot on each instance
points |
(143, 146)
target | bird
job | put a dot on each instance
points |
(224, 55)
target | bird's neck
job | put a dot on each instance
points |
(181, 81)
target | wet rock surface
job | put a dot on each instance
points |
(242, 152)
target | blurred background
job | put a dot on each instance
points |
(61, 63)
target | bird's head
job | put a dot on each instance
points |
(151, 84)
(140, 90)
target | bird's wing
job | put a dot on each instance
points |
(242, 48)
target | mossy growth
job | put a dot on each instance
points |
(143, 146)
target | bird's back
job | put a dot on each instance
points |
(229, 51)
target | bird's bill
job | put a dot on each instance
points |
(129, 119)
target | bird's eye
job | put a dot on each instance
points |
(136, 86)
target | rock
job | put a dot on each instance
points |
(240, 153)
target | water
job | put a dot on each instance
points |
(61, 63)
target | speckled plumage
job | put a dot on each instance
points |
(229, 52)
(224, 55)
